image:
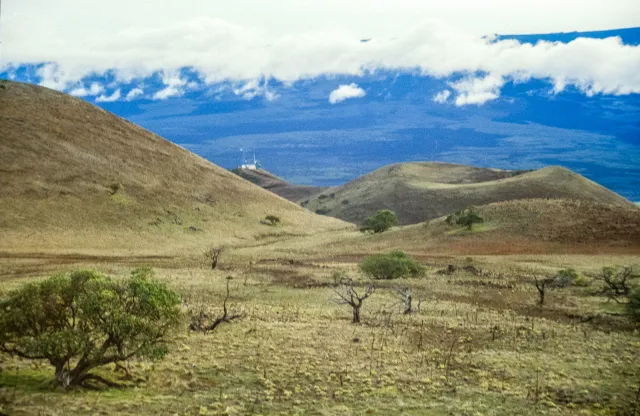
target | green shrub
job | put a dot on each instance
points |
(382, 221)
(84, 320)
(394, 265)
(345, 202)
(565, 277)
(582, 281)
(466, 217)
(323, 211)
(272, 220)
(633, 306)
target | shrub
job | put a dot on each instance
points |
(322, 196)
(272, 220)
(84, 320)
(633, 306)
(382, 221)
(394, 265)
(116, 187)
(323, 211)
(468, 218)
(345, 202)
(565, 277)
(582, 281)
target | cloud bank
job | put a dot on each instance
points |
(220, 51)
(345, 92)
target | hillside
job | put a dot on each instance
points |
(278, 185)
(74, 176)
(524, 226)
(425, 190)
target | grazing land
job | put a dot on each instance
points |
(85, 189)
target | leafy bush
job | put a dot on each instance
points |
(466, 217)
(633, 306)
(382, 221)
(394, 265)
(84, 320)
(323, 211)
(345, 202)
(272, 220)
(565, 277)
(582, 281)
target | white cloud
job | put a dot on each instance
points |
(174, 86)
(95, 89)
(109, 98)
(478, 91)
(311, 41)
(254, 88)
(344, 92)
(134, 93)
(442, 96)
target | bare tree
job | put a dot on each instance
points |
(202, 322)
(212, 255)
(406, 297)
(347, 294)
(542, 284)
(617, 281)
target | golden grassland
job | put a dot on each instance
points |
(77, 178)
(478, 346)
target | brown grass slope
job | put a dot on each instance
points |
(74, 176)
(524, 226)
(425, 190)
(277, 185)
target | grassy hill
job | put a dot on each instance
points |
(425, 190)
(74, 176)
(278, 185)
(525, 226)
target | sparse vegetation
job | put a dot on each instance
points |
(565, 277)
(618, 281)
(203, 321)
(393, 265)
(347, 293)
(272, 220)
(466, 218)
(542, 284)
(633, 305)
(212, 254)
(84, 320)
(116, 187)
(382, 221)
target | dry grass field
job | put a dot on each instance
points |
(82, 188)
(478, 346)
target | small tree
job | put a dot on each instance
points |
(202, 321)
(617, 281)
(542, 284)
(382, 221)
(394, 265)
(85, 320)
(468, 218)
(212, 255)
(347, 294)
(406, 297)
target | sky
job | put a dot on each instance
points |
(324, 91)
